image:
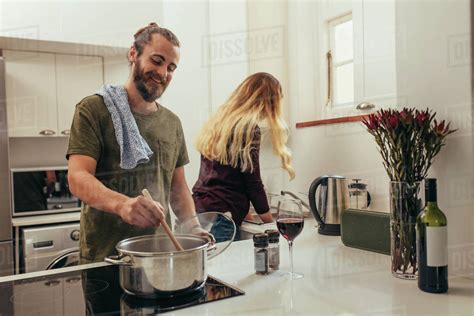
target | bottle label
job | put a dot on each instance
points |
(274, 257)
(437, 246)
(261, 261)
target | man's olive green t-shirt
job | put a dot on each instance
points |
(93, 135)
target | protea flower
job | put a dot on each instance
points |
(408, 141)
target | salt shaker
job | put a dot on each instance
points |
(273, 248)
(260, 242)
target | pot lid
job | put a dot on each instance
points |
(218, 226)
(357, 185)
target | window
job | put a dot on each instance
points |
(340, 59)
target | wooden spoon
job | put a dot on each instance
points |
(165, 225)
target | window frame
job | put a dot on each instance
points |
(331, 25)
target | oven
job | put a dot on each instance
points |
(49, 246)
(37, 191)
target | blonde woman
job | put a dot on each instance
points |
(229, 143)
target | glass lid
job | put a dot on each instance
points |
(218, 227)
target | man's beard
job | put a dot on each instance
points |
(151, 92)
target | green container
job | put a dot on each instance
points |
(366, 230)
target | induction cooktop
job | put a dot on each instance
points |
(96, 291)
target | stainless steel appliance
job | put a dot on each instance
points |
(328, 203)
(6, 244)
(180, 271)
(49, 247)
(38, 191)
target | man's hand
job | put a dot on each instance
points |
(142, 212)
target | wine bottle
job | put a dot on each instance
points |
(432, 244)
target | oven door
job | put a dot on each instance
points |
(38, 191)
(67, 260)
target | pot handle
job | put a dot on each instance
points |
(212, 249)
(121, 260)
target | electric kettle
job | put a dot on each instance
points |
(328, 202)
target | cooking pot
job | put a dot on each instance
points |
(151, 267)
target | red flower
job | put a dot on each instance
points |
(403, 115)
(421, 117)
(439, 128)
(406, 116)
(371, 122)
(393, 121)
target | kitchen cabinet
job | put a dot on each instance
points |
(43, 88)
(29, 295)
(31, 93)
(72, 289)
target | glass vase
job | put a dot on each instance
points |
(405, 204)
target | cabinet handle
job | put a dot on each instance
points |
(66, 132)
(365, 106)
(47, 132)
(73, 280)
(52, 283)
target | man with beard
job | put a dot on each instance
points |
(109, 186)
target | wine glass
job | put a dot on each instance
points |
(290, 223)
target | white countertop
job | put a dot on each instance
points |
(337, 281)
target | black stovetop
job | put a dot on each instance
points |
(95, 291)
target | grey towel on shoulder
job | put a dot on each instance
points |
(133, 147)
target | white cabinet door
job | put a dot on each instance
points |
(31, 93)
(77, 77)
(73, 294)
(43, 297)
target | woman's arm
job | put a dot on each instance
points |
(254, 186)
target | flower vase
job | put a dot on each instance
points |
(405, 204)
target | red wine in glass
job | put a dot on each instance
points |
(290, 224)
(290, 227)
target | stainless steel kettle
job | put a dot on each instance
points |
(328, 203)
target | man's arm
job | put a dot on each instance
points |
(180, 198)
(137, 211)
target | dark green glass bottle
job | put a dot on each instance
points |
(432, 244)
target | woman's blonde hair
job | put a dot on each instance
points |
(228, 136)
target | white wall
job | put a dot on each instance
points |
(434, 70)
(93, 22)
(343, 149)
(267, 33)
(188, 94)
(224, 49)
